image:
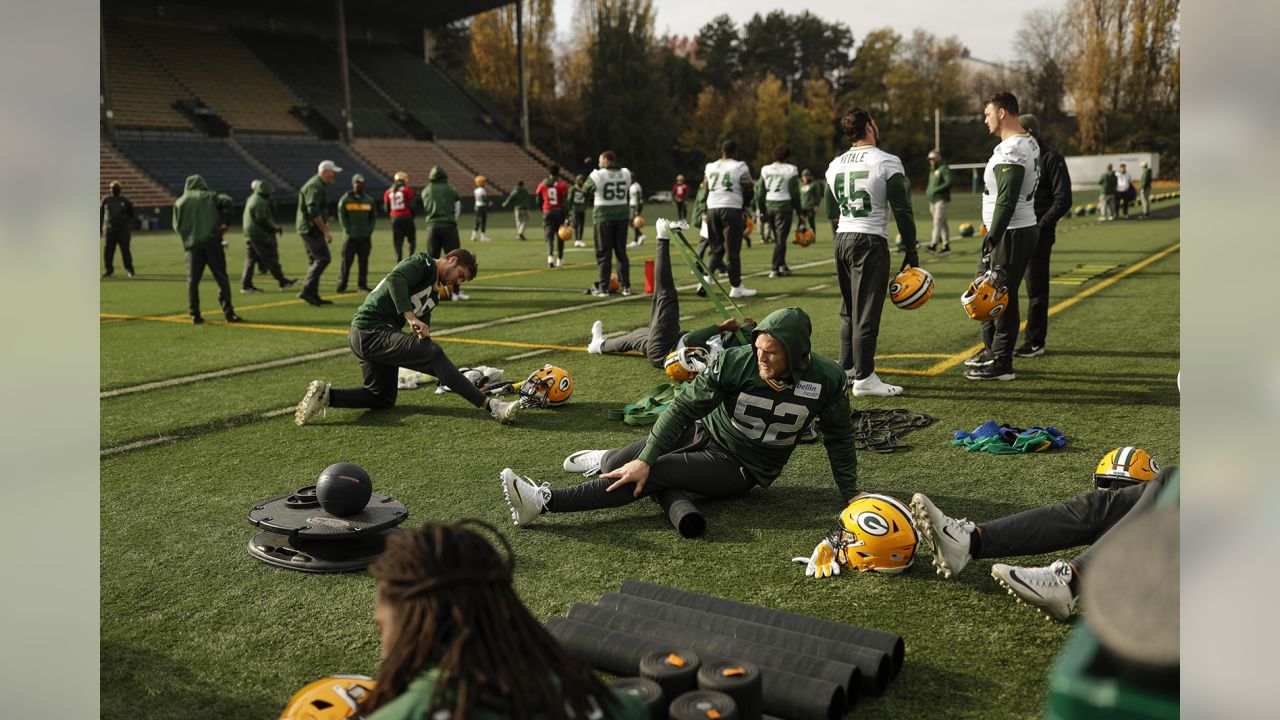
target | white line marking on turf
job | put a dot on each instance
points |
(777, 297)
(522, 356)
(160, 439)
(817, 287)
(171, 382)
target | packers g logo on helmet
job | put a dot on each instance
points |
(911, 288)
(565, 232)
(804, 238)
(984, 299)
(1125, 466)
(333, 698)
(875, 532)
(686, 363)
(548, 386)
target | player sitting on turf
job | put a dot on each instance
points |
(458, 643)
(1081, 520)
(663, 335)
(734, 427)
(407, 294)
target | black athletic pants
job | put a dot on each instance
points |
(725, 228)
(382, 353)
(402, 229)
(214, 257)
(265, 253)
(1011, 256)
(780, 220)
(697, 465)
(442, 240)
(862, 269)
(1081, 520)
(579, 224)
(482, 219)
(355, 248)
(551, 222)
(682, 212)
(318, 254)
(611, 240)
(635, 214)
(1037, 280)
(663, 332)
(121, 237)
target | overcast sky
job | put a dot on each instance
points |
(986, 28)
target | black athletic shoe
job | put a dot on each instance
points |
(322, 301)
(108, 273)
(364, 289)
(945, 251)
(288, 284)
(196, 319)
(310, 299)
(1029, 351)
(982, 358)
(234, 318)
(994, 371)
(340, 290)
(250, 289)
(933, 249)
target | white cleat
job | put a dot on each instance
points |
(559, 262)
(458, 295)
(1046, 589)
(579, 243)
(741, 291)
(596, 346)
(551, 261)
(586, 462)
(316, 400)
(873, 386)
(947, 537)
(526, 500)
(502, 411)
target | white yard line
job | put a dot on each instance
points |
(172, 382)
(522, 356)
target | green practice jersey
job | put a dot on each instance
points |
(411, 285)
(758, 422)
(415, 703)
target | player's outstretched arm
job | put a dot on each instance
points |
(837, 438)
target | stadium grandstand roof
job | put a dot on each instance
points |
(430, 14)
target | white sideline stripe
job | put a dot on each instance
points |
(171, 382)
(159, 439)
(817, 287)
(777, 297)
(530, 354)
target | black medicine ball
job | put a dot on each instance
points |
(343, 489)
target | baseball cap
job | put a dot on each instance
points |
(1030, 124)
(357, 178)
(328, 165)
(935, 154)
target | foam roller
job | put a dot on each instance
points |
(874, 664)
(703, 705)
(843, 674)
(786, 695)
(685, 517)
(738, 680)
(676, 672)
(647, 692)
(888, 643)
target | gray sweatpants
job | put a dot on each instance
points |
(663, 332)
(318, 254)
(941, 233)
(862, 269)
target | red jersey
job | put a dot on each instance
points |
(680, 192)
(553, 196)
(399, 201)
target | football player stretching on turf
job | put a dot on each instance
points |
(407, 294)
(663, 336)
(733, 428)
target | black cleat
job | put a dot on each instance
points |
(1029, 351)
(982, 358)
(196, 320)
(288, 284)
(250, 289)
(994, 371)
(234, 318)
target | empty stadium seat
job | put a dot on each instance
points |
(295, 158)
(423, 91)
(223, 74)
(502, 162)
(311, 69)
(137, 186)
(170, 157)
(142, 95)
(416, 158)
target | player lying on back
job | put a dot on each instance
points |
(663, 338)
(733, 428)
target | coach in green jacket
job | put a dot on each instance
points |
(201, 218)
(260, 231)
(357, 214)
(938, 193)
(518, 200)
(313, 226)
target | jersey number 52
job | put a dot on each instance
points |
(751, 415)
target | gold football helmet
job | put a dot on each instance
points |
(985, 299)
(333, 698)
(875, 532)
(911, 288)
(548, 386)
(686, 363)
(1125, 466)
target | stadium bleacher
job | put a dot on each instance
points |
(295, 158)
(138, 187)
(422, 90)
(310, 68)
(223, 74)
(414, 157)
(142, 94)
(503, 163)
(171, 156)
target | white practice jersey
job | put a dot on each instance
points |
(1123, 181)
(482, 197)
(859, 181)
(1018, 150)
(724, 183)
(777, 181)
(636, 193)
(611, 186)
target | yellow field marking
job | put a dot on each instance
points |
(960, 357)
(262, 306)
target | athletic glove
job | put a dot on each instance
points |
(822, 563)
(663, 232)
(912, 259)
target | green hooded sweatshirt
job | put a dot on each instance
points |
(357, 214)
(199, 213)
(939, 187)
(260, 216)
(758, 422)
(1108, 181)
(518, 198)
(439, 199)
(313, 201)
(578, 196)
(810, 192)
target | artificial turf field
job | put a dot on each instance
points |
(192, 626)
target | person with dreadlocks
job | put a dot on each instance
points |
(458, 643)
